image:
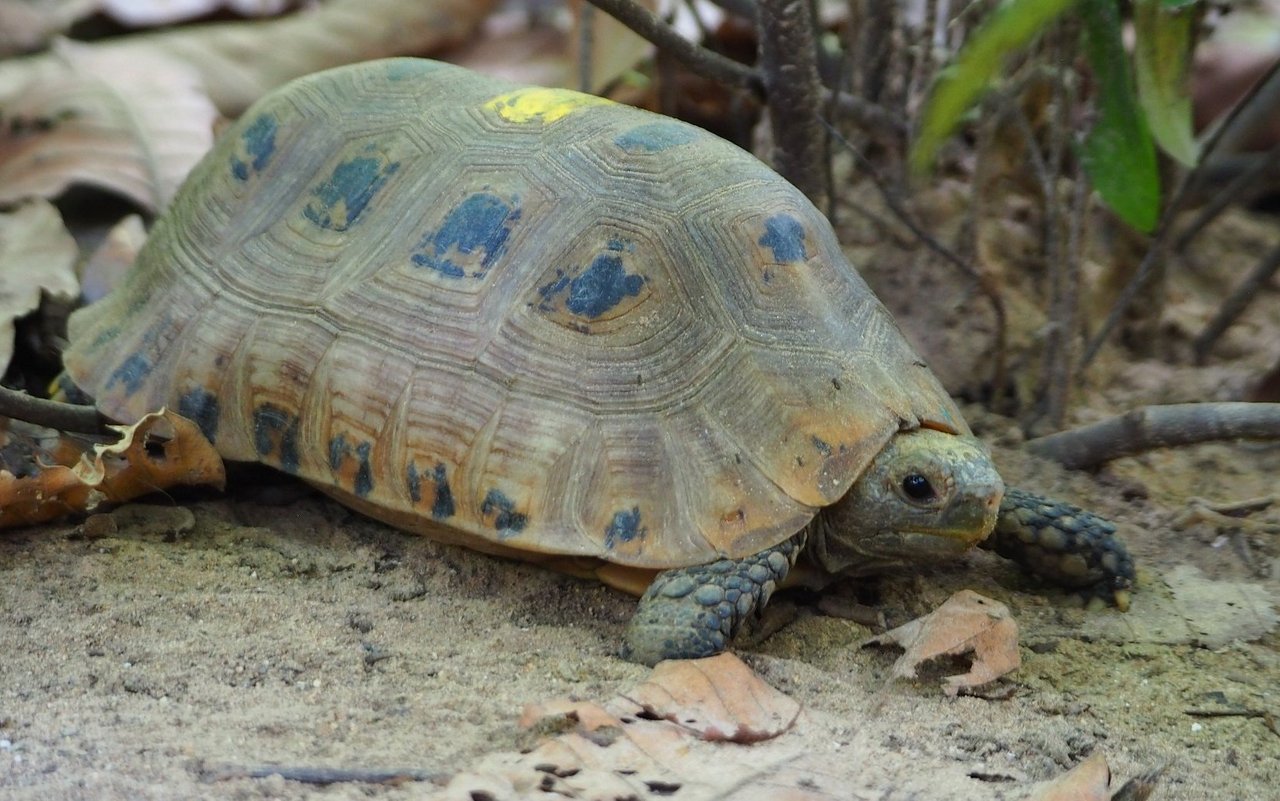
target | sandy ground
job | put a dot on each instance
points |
(272, 626)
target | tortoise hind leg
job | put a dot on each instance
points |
(1063, 544)
(692, 612)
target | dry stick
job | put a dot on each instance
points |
(984, 282)
(1159, 240)
(51, 414)
(704, 62)
(1223, 198)
(789, 65)
(324, 776)
(1159, 427)
(1236, 303)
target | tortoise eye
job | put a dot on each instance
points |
(917, 488)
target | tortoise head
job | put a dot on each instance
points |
(926, 496)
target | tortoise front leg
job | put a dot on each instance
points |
(1063, 544)
(692, 612)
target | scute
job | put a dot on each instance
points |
(544, 321)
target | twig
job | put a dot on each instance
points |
(1227, 195)
(1160, 240)
(1159, 427)
(324, 776)
(789, 64)
(51, 414)
(704, 62)
(984, 282)
(1236, 303)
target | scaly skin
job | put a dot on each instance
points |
(696, 611)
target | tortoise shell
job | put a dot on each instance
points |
(523, 318)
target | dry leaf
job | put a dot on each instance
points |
(26, 26)
(161, 450)
(239, 62)
(665, 736)
(719, 698)
(146, 13)
(1088, 781)
(129, 122)
(111, 261)
(966, 622)
(37, 257)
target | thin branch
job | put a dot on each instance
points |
(984, 282)
(789, 64)
(1224, 197)
(51, 414)
(1236, 303)
(1160, 239)
(1153, 427)
(704, 62)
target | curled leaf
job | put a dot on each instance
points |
(966, 622)
(129, 122)
(161, 450)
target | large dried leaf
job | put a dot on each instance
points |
(966, 622)
(129, 122)
(665, 736)
(239, 62)
(144, 13)
(161, 450)
(37, 257)
(1088, 781)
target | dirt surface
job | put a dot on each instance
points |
(143, 657)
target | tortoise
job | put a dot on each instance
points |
(545, 325)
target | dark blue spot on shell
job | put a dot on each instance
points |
(506, 520)
(655, 137)
(624, 527)
(340, 450)
(341, 199)
(414, 481)
(471, 237)
(131, 373)
(200, 406)
(595, 290)
(259, 143)
(276, 431)
(442, 507)
(784, 235)
(822, 446)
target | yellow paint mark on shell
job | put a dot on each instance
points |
(536, 104)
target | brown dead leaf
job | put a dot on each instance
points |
(719, 698)
(965, 622)
(667, 735)
(239, 62)
(147, 13)
(129, 122)
(37, 257)
(114, 256)
(26, 26)
(1088, 781)
(161, 450)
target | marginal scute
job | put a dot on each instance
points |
(501, 513)
(200, 406)
(275, 434)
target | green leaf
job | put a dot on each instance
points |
(1011, 26)
(1119, 153)
(1162, 57)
